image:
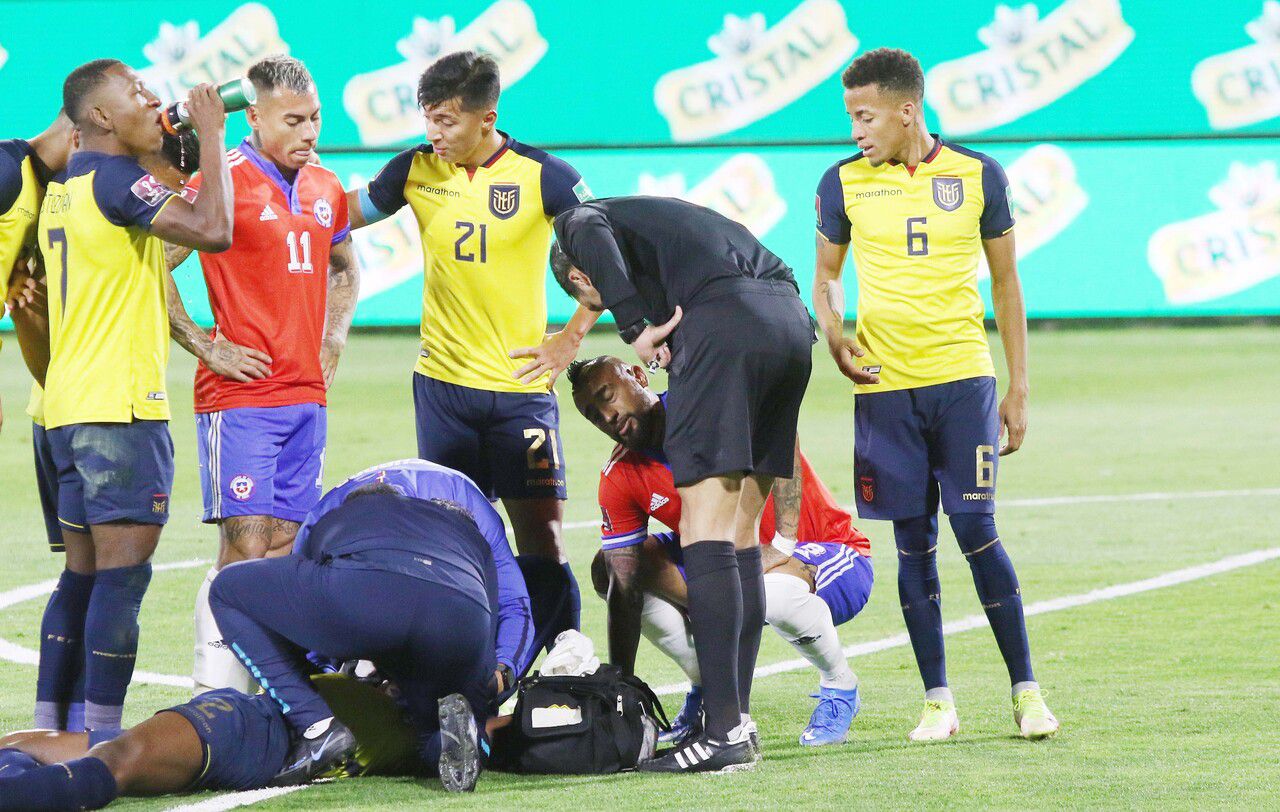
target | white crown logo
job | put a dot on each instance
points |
(673, 185)
(427, 40)
(1010, 27)
(738, 36)
(1247, 187)
(173, 43)
(1266, 29)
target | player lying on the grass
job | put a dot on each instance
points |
(406, 565)
(282, 298)
(809, 589)
(220, 740)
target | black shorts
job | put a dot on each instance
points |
(741, 359)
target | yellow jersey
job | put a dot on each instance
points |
(108, 326)
(917, 238)
(20, 191)
(485, 240)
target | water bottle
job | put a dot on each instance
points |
(236, 95)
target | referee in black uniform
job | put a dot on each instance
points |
(696, 293)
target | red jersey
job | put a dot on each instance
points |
(268, 291)
(634, 486)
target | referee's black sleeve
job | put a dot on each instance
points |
(587, 239)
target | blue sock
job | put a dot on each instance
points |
(554, 599)
(15, 762)
(111, 642)
(921, 594)
(62, 650)
(998, 589)
(85, 783)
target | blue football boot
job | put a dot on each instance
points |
(833, 716)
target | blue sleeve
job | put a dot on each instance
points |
(127, 194)
(997, 219)
(562, 186)
(386, 190)
(833, 218)
(515, 617)
(10, 180)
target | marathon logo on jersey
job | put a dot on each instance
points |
(1242, 86)
(181, 58)
(150, 191)
(324, 213)
(1044, 198)
(1226, 251)
(159, 503)
(1029, 63)
(742, 189)
(867, 488)
(504, 200)
(384, 103)
(241, 487)
(948, 192)
(757, 70)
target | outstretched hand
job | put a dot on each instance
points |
(551, 357)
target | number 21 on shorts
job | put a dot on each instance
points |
(537, 439)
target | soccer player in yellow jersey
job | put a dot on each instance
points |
(920, 212)
(101, 232)
(26, 166)
(485, 203)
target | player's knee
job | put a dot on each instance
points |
(791, 609)
(917, 536)
(125, 757)
(975, 532)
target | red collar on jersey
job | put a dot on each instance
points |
(933, 153)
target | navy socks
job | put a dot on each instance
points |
(62, 657)
(111, 642)
(998, 589)
(85, 783)
(921, 594)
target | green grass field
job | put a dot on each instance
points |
(1169, 698)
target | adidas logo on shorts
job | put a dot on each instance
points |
(656, 501)
(267, 214)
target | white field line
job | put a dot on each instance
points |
(1095, 499)
(25, 656)
(1182, 576)
(231, 801)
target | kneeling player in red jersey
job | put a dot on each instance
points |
(810, 587)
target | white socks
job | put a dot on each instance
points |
(664, 625)
(804, 620)
(215, 665)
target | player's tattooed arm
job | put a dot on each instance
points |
(175, 255)
(1011, 321)
(828, 305)
(222, 357)
(344, 291)
(625, 601)
(786, 502)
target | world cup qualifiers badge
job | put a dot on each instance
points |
(324, 213)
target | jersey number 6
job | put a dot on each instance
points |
(917, 241)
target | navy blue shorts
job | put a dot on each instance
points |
(113, 472)
(47, 486)
(912, 443)
(245, 738)
(508, 443)
(262, 462)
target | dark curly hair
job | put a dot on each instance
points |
(893, 69)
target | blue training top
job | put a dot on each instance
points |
(389, 534)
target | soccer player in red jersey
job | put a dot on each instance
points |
(282, 297)
(810, 587)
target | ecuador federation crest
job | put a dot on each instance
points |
(948, 193)
(504, 200)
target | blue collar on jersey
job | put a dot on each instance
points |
(273, 174)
